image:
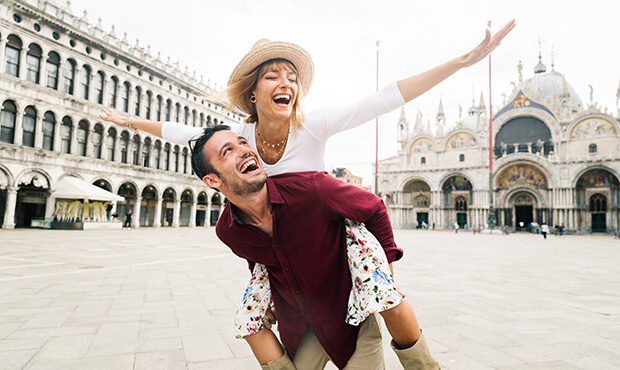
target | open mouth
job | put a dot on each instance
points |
(284, 99)
(249, 166)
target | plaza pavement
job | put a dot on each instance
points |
(165, 298)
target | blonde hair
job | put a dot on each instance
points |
(242, 90)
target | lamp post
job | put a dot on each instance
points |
(491, 218)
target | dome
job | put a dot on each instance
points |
(551, 89)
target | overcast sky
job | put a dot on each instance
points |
(210, 37)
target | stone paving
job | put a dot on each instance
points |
(164, 299)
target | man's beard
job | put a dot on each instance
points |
(245, 188)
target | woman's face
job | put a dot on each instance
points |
(276, 92)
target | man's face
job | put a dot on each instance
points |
(240, 170)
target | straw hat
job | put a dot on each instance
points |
(264, 50)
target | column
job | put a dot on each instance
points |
(2, 50)
(38, 132)
(22, 64)
(136, 212)
(117, 147)
(50, 208)
(89, 92)
(89, 142)
(9, 210)
(176, 214)
(208, 215)
(61, 76)
(43, 71)
(157, 221)
(19, 127)
(73, 146)
(56, 145)
(192, 215)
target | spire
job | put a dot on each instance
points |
(403, 126)
(481, 105)
(418, 123)
(440, 112)
(441, 119)
(540, 67)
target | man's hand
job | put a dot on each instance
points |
(270, 317)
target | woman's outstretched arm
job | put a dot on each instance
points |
(151, 127)
(412, 87)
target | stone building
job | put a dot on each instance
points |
(346, 176)
(554, 160)
(57, 72)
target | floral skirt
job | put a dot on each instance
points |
(372, 288)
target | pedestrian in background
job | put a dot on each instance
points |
(127, 222)
(544, 229)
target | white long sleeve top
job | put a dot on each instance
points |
(305, 149)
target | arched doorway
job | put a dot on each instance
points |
(455, 196)
(594, 194)
(129, 192)
(523, 205)
(187, 198)
(416, 200)
(31, 198)
(598, 212)
(148, 205)
(216, 204)
(201, 209)
(167, 205)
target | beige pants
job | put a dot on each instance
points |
(311, 355)
(368, 353)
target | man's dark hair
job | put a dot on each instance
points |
(200, 163)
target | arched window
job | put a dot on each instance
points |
(157, 154)
(166, 157)
(98, 84)
(158, 107)
(174, 165)
(177, 112)
(149, 103)
(49, 124)
(113, 92)
(125, 96)
(33, 63)
(460, 203)
(202, 120)
(53, 61)
(110, 144)
(423, 160)
(65, 135)
(592, 149)
(13, 47)
(184, 160)
(138, 99)
(84, 85)
(186, 116)
(461, 157)
(96, 138)
(82, 136)
(598, 203)
(146, 149)
(518, 132)
(167, 109)
(123, 144)
(135, 150)
(7, 122)
(68, 74)
(28, 125)
(194, 118)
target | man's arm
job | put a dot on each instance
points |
(341, 200)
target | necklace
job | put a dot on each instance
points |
(271, 159)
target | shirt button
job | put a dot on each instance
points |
(299, 335)
(297, 292)
(305, 312)
(286, 269)
(276, 246)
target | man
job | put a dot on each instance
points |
(294, 225)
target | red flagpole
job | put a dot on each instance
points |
(377, 133)
(491, 218)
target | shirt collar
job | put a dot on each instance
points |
(273, 194)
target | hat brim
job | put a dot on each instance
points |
(265, 50)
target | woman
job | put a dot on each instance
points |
(268, 84)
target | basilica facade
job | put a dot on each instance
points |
(554, 161)
(57, 72)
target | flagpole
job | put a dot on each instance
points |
(491, 218)
(377, 132)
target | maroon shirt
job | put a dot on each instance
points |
(307, 258)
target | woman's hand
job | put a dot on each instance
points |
(110, 115)
(487, 45)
